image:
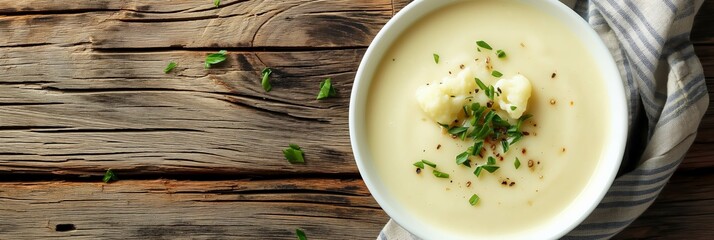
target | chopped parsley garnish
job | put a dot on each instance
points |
(109, 176)
(490, 161)
(440, 174)
(294, 154)
(477, 172)
(457, 130)
(216, 3)
(170, 67)
(476, 149)
(482, 124)
(480, 84)
(484, 45)
(215, 58)
(490, 92)
(427, 162)
(300, 234)
(490, 168)
(474, 199)
(326, 90)
(266, 79)
(462, 158)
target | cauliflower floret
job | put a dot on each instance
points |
(514, 96)
(443, 100)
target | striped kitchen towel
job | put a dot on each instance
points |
(667, 97)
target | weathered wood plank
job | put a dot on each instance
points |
(684, 210)
(69, 111)
(703, 31)
(399, 4)
(191, 24)
(271, 209)
(706, 56)
(164, 209)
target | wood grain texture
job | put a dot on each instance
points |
(78, 112)
(191, 24)
(83, 91)
(165, 209)
(684, 210)
(703, 29)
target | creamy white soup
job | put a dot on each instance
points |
(561, 144)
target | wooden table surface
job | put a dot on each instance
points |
(198, 151)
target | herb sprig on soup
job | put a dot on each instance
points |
(481, 115)
(470, 113)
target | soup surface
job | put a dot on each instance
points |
(565, 135)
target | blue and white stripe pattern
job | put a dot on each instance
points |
(666, 91)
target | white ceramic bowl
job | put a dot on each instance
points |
(553, 228)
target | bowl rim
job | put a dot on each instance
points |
(618, 118)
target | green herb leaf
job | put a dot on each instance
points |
(516, 138)
(478, 145)
(419, 164)
(293, 154)
(483, 133)
(457, 130)
(491, 161)
(500, 122)
(466, 112)
(427, 162)
(480, 84)
(489, 117)
(443, 125)
(477, 172)
(266, 79)
(109, 176)
(215, 58)
(440, 174)
(522, 119)
(216, 3)
(300, 234)
(490, 92)
(496, 73)
(500, 53)
(474, 199)
(490, 168)
(504, 144)
(513, 108)
(517, 164)
(462, 158)
(436, 58)
(326, 90)
(484, 45)
(170, 67)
